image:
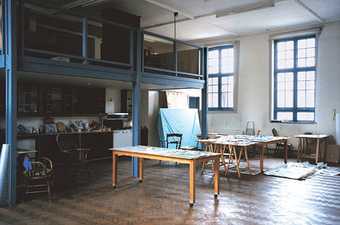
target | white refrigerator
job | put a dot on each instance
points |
(122, 138)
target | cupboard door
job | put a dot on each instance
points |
(28, 99)
(54, 101)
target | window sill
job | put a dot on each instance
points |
(221, 110)
(293, 122)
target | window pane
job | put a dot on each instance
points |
(213, 92)
(306, 52)
(213, 62)
(306, 89)
(285, 116)
(285, 85)
(305, 116)
(227, 60)
(285, 54)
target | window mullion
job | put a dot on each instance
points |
(295, 94)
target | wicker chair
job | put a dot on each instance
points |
(39, 176)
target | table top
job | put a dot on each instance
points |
(312, 136)
(166, 152)
(242, 140)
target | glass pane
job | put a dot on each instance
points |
(158, 53)
(301, 99)
(49, 36)
(285, 86)
(305, 116)
(227, 60)
(213, 62)
(310, 98)
(285, 116)
(213, 100)
(306, 52)
(108, 42)
(306, 89)
(188, 58)
(285, 54)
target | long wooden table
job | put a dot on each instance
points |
(192, 158)
(244, 141)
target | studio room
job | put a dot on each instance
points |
(169, 112)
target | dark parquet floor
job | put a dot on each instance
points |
(162, 199)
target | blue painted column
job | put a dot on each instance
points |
(11, 96)
(136, 97)
(204, 122)
(84, 38)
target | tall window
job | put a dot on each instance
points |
(221, 78)
(294, 79)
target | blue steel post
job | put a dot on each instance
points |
(205, 93)
(11, 96)
(136, 95)
(84, 38)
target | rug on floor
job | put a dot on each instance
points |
(301, 171)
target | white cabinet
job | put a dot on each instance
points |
(122, 138)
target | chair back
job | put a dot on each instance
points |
(67, 143)
(174, 138)
(41, 168)
(275, 133)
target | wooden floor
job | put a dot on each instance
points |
(163, 200)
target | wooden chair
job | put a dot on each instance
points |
(174, 139)
(39, 176)
(76, 154)
(280, 146)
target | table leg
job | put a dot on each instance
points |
(299, 150)
(237, 162)
(325, 150)
(262, 157)
(192, 174)
(140, 170)
(286, 151)
(317, 150)
(246, 156)
(114, 170)
(216, 177)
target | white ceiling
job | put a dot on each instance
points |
(285, 14)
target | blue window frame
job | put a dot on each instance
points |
(221, 78)
(294, 79)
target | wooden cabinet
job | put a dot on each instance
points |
(52, 100)
(28, 99)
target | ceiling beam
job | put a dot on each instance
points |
(246, 8)
(311, 11)
(170, 8)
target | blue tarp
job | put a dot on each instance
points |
(4, 157)
(183, 121)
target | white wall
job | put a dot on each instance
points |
(254, 88)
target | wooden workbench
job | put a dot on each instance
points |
(244, 141)
(192, 158)
(320, 138)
